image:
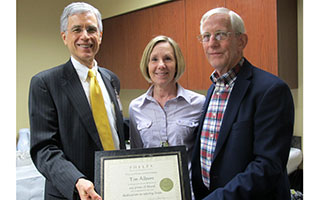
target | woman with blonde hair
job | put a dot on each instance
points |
(167, 114)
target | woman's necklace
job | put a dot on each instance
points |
(165, 144)
(162, 102)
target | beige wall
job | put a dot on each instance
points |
(298, 93)
(40, 47)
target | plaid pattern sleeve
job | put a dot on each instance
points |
(213, 119)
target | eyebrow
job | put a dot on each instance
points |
(88, 27)
(92, 27)
(75, 26)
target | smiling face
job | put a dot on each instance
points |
(162, 65)
(223, 54)
(83, 37)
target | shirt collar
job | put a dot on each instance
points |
(82, 70)
(181, 92)
(229, 76)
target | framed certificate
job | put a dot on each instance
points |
(143, 174)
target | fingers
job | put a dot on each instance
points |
(86, 190)
(93, 195)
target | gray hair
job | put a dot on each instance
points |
(76, 8)
(237, 23)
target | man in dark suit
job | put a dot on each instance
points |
(245, 131)
(64, 134)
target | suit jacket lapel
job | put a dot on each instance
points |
(238, 92)
(205, 108)
(196, 152)
(107, 81)
(73, 89)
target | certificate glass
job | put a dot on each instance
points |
(143, 174)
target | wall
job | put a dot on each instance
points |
(298, 93)
(180, 20)
(134, 30)
(40, 47)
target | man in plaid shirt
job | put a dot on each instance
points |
(244, 135)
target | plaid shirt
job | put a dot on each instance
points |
(213, 119)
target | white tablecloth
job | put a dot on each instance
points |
(29, 182)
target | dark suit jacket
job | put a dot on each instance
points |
(254, 141)
(64, 137)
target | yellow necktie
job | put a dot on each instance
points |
(99, 113)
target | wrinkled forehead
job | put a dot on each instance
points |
(83, 15)
(83, 18)
(217, 21)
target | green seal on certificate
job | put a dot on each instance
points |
(166, 184)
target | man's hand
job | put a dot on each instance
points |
(86, 190)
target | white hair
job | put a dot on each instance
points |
(236, 21)
(76, 8)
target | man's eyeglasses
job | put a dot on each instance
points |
(219, 35)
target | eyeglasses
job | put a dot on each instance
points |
(219, 35)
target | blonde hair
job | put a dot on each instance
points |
(180, 64)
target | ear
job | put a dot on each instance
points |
(64, 37)
(100, 37)
(243, 40)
